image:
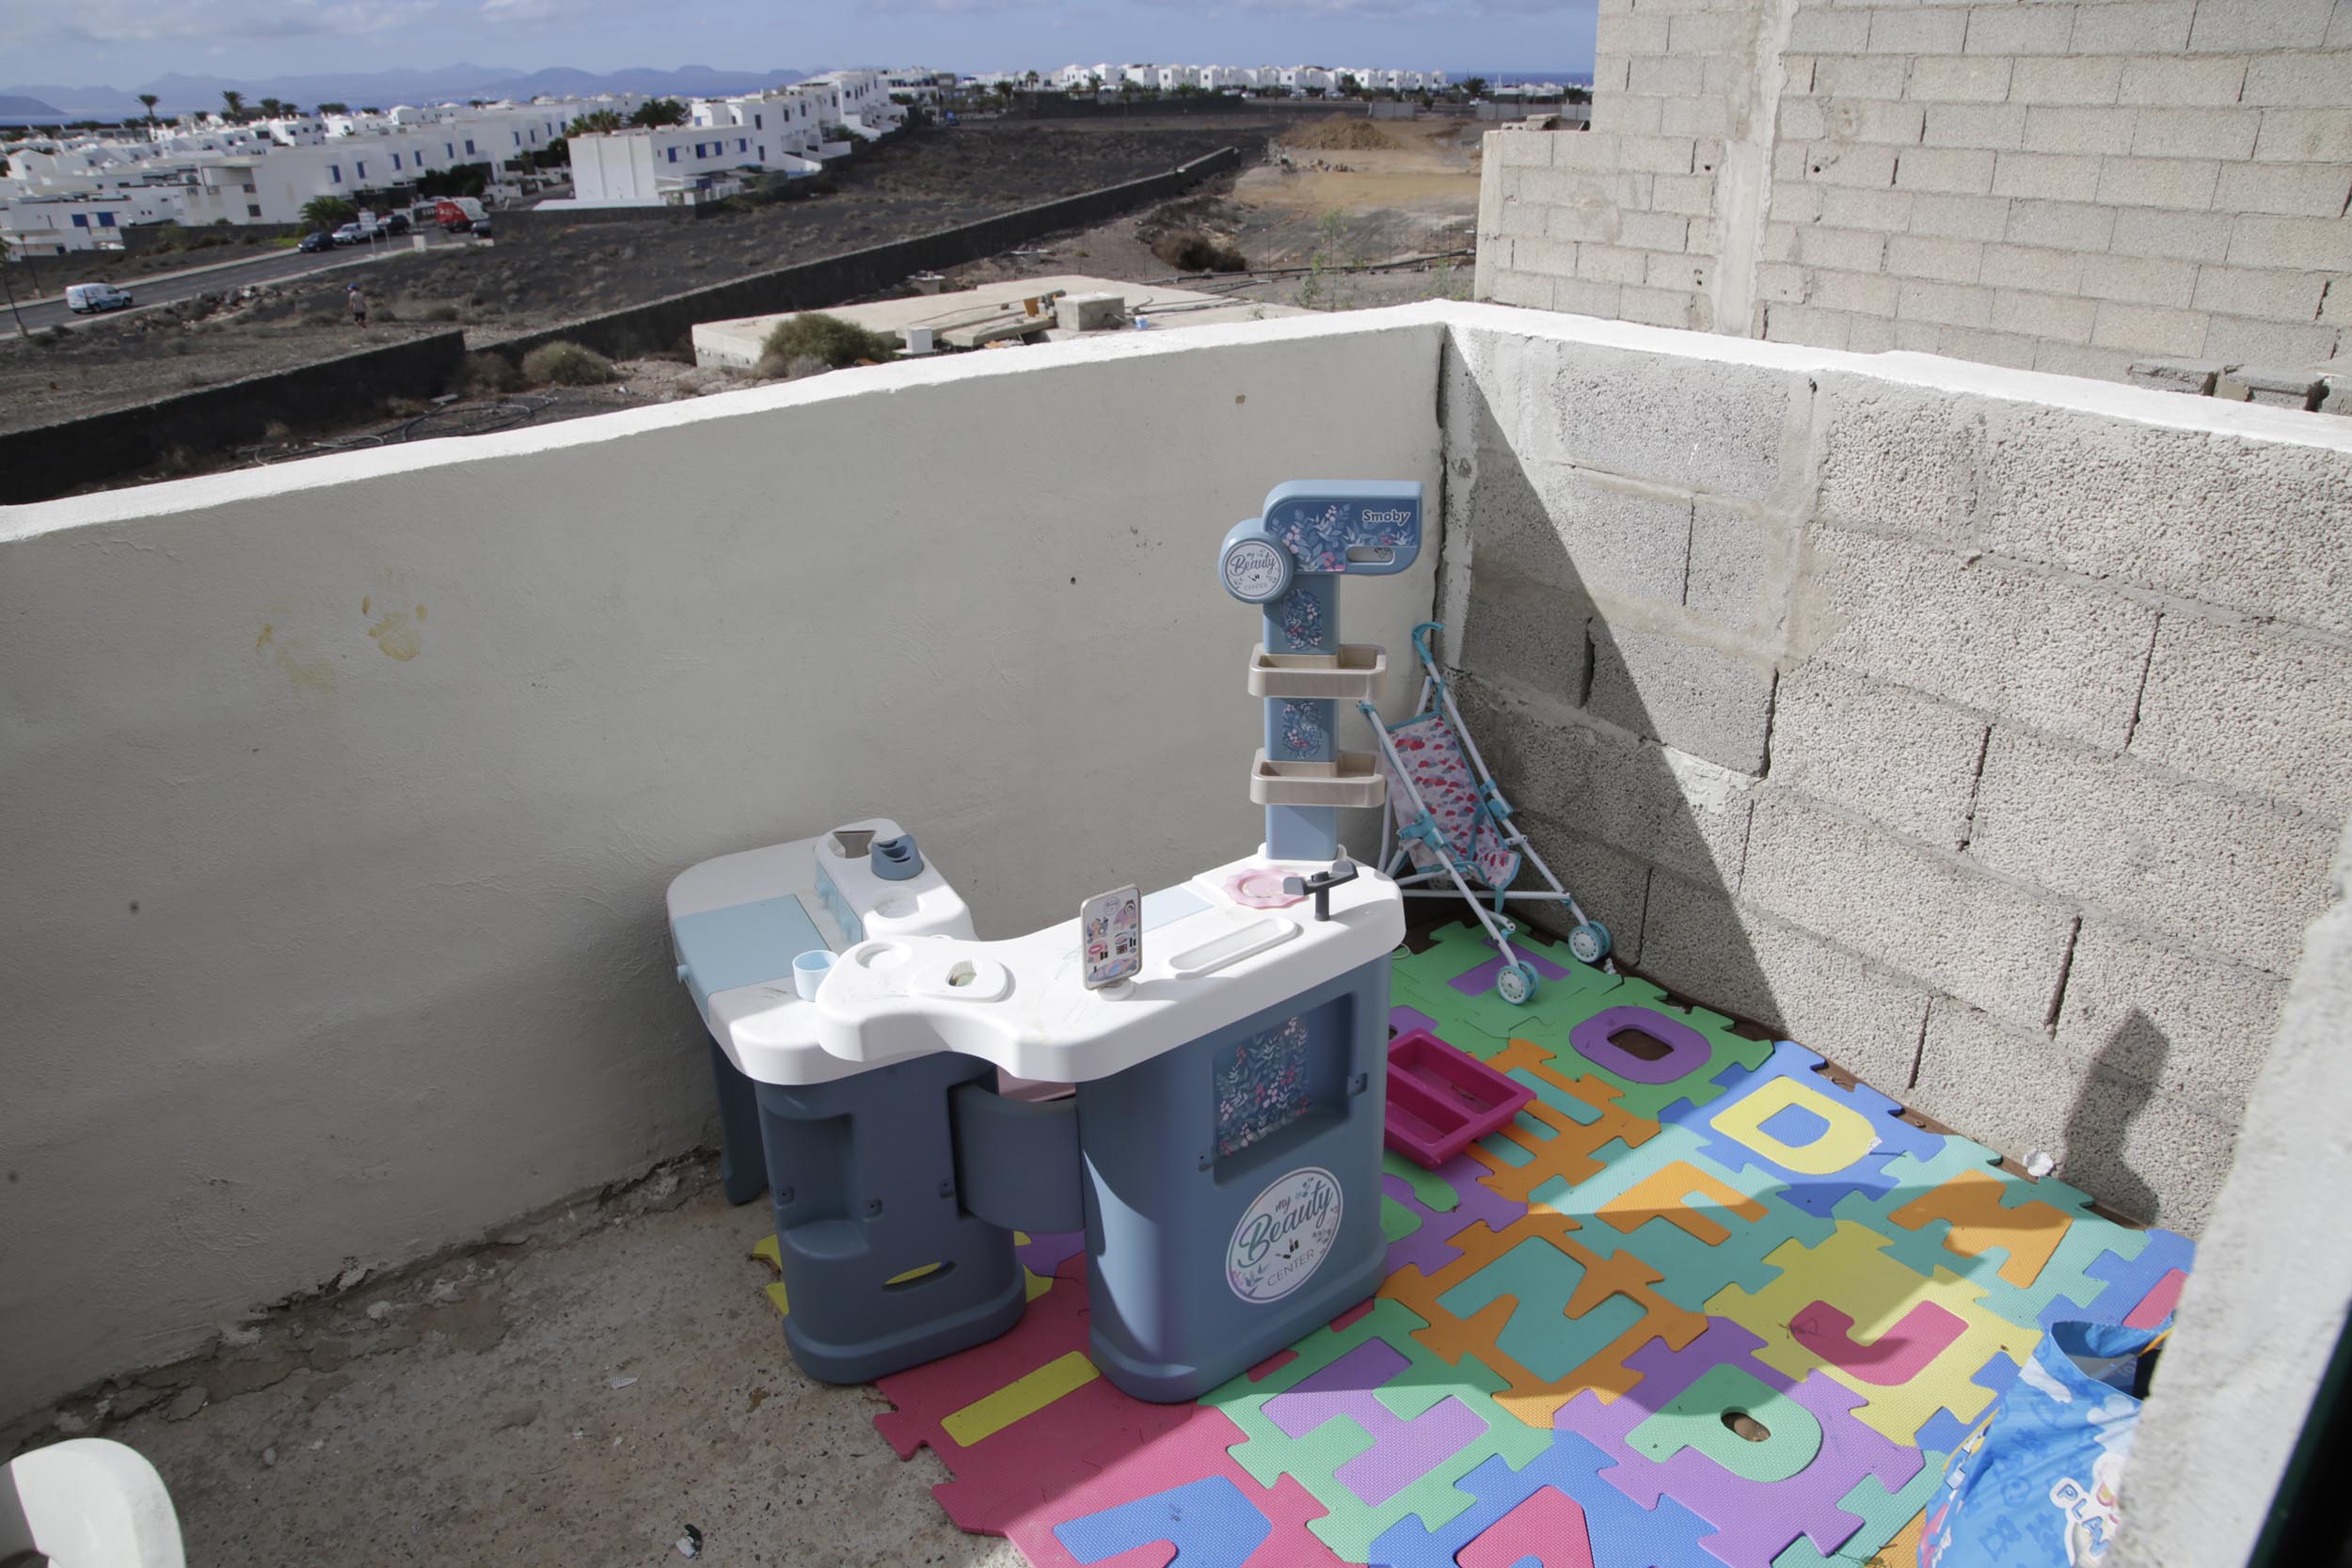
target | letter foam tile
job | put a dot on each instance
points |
(1703, 1226)
(2142, 1290)
(2032, 1246)
(1183, 1490)
(1473, 1202)
(1033, 1424)
(1886, 1516)
(1555, 1511)
(1350, 1426)
(1554, 1319)
(1822, 1140)
(1760, 1497)
(1872, 1287)
(1846, 1309)
(1564, 1131)
(1574, 1027)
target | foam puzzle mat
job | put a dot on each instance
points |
(1702, 1306)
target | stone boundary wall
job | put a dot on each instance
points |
(1054, 105)
(142, 239)
(1937, 717)
(46, 461)
(2049, 185)
(830, 279)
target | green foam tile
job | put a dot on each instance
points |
(1351, 1525)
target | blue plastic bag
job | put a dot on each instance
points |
(2035, 1484)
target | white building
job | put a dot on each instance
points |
(727, 139)
(53, 225)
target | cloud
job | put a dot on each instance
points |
(947, 8)
(1388, 10)
(115, 23)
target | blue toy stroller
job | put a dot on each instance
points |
(1451, 823)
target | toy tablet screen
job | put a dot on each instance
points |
(1110, 937)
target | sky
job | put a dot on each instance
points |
(125, 42)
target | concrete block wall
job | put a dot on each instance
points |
(1941, 718)
(2039, 184)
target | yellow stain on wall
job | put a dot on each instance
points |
(984, 1418)
(311, 674)
(396, 632)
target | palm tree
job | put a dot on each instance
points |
(232, 105)
(148, 101)
(589, 124)
(271, 108)
(334, 108)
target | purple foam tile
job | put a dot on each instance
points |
(1403, 1451)
(1316, 1397)
(1403, 1020)
(1481, 980)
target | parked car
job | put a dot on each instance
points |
(396, 223)
(481, 229)
(87, 299)
(316, 240)
(355, 232)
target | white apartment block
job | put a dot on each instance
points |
(782, 131)
(201, 169)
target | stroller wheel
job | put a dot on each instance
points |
(1517, 984)
(1589, 943)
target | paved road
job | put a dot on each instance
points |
(163, 290)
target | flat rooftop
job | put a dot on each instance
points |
(950, 315)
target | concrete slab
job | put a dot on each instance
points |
(990, 313)
(581, 1395)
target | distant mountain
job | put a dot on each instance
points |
(180, 92)
(25, 111)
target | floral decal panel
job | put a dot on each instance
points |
(1261, 1085)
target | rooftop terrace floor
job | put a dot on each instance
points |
(592, 1381)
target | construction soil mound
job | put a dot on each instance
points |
(1340, 134)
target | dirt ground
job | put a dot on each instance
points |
(1310, 221)
(923, 181)
(1337, 213)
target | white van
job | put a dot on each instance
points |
(87, 299)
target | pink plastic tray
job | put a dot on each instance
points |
(1442, 1099)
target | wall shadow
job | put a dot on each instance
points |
(1533, 649)
(2121, 1081)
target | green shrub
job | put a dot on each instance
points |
(567, 364)
(814, 335)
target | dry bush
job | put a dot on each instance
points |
(489, 375)
(567, 364)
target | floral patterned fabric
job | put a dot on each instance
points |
(1260, 1086)
(1435, 762)
(1320, 540)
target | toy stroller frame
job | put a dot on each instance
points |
(1464, 856)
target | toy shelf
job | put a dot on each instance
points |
(1353, 780)
(1355, 674)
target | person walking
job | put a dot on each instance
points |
(359, 303)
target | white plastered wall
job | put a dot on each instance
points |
(342, 796)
